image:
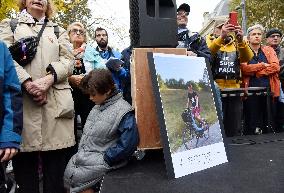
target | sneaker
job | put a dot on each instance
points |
(9, 167)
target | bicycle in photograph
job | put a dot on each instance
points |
(193, 129)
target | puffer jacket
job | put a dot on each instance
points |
(260, 70)
(51, 126)
(109, 137)
(11, 105)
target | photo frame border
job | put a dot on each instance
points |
(161, 117)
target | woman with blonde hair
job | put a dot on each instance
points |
(48, 107)
(86, 59)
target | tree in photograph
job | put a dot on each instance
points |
(161, 82)
(205, 77)
(181, 83)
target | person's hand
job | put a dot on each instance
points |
(239, 33)
(78, 63)
(227, 28)
(41, 99)
(75, 80)
(117, 67)
(190, 53)
(8, 153)
(265, 64)
(27, 85)
(40, 85)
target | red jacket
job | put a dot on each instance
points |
(260, 70)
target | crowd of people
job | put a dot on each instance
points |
(59, 78)
(241, 62)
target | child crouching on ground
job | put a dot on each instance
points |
(109, 137)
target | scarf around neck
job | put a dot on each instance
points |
(29, 18)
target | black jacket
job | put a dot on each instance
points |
(195, 43)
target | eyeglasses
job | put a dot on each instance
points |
(183, 13)
(275, 35)
(78, 31)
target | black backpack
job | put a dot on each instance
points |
(14, 24)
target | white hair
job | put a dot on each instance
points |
(256, 26)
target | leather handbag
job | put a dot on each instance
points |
(24, 50)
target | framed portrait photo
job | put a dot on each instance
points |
(189, 117)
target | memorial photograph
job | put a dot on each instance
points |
(188, 110)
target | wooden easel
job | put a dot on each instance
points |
(143, 96)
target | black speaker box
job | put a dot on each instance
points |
(153, 23)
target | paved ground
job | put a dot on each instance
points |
(214, 137)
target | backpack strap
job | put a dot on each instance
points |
(14, 24)
(111, 52)
(56, 31)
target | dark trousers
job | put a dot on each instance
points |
(279, 119)
(260, 112)
(2, 178)
(82, 104)
(26, 167)
(232, 115)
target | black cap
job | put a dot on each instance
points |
(184, 7)
(273, 31)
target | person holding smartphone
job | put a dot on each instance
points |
(229, 49)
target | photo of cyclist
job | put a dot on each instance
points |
(193, 102)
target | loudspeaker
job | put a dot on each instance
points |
(153, 23)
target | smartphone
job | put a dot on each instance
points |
(233, 18)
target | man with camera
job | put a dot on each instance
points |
(229, 49)
(195, 44)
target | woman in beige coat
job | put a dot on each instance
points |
(47, 102)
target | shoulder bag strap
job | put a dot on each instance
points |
(41, 30)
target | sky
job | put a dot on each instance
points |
(179, 67)
(197, 8)
(117, 12)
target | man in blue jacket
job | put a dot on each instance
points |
(11, 109)
(104, 50)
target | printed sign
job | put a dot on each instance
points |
(190, 128)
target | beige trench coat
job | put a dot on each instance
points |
(51, 126)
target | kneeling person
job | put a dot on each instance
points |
(109, 137)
